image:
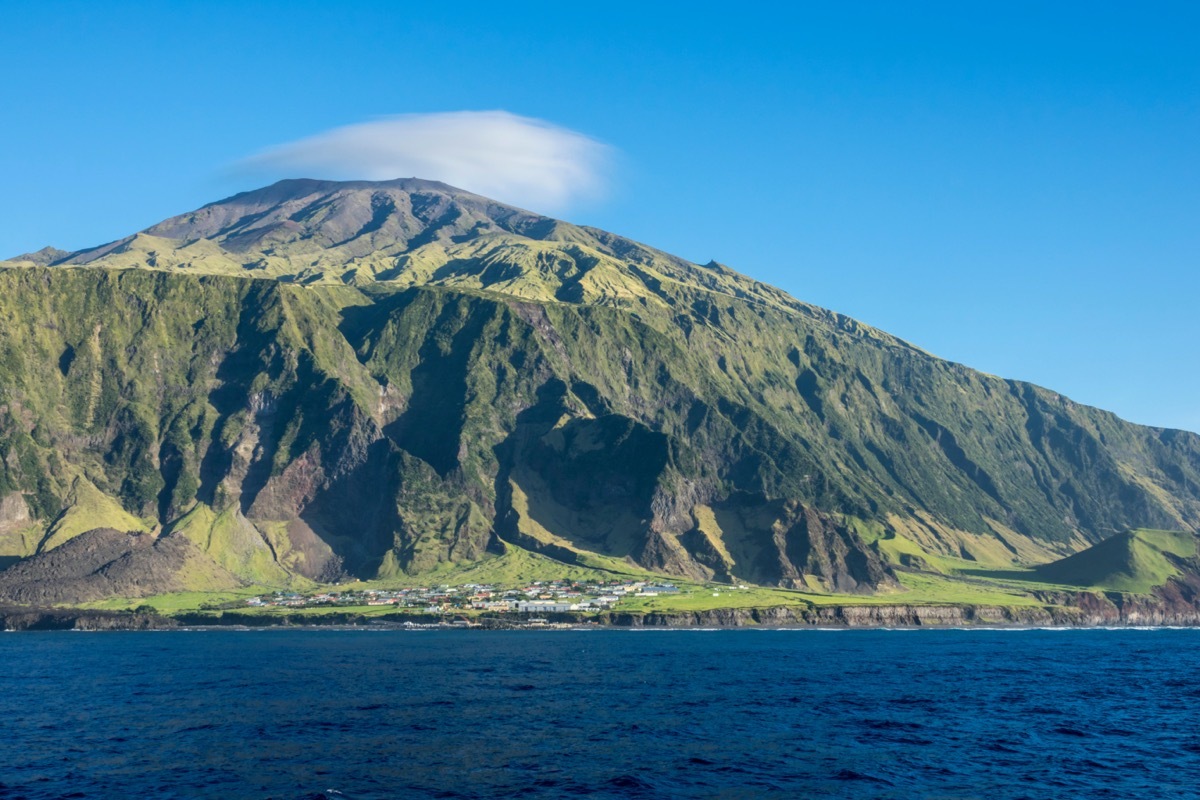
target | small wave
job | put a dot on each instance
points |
(1118, 732)
(851, 775)
(891, 725)
(1046, 711)
(1063, 730)
(629, 784)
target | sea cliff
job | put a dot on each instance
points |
(1086, 611)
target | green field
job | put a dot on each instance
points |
(1134, 562)
(919, 589)
(179, 601)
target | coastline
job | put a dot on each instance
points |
(1098, 613)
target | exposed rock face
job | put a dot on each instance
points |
(1090, 611)
(14, 512)
(788, 544)
(44, 619)
(327, 380)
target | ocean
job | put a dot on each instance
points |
(364, 714)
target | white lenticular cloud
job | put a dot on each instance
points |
(528, 162)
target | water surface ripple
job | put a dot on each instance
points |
(601, 714)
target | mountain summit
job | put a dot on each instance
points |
(309, 222)
(407, 232)
(317, 380)
(413, 232)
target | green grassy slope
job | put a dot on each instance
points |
(446, 374)
(1136, 561)
(87, 509)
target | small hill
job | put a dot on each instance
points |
(1135, 561)
(43, 257)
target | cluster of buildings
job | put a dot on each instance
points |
(538, 597)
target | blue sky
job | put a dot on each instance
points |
(1009, 185)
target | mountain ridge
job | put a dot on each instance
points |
(328, 388)
(335, 208)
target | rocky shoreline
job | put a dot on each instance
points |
(912, 616)
(1079, 611)
(67, 619)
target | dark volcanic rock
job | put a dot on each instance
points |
(52, 619)
(1096, 612)
(104, 563)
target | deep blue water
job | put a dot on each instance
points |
(602, 714)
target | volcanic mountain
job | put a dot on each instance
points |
(321, 380)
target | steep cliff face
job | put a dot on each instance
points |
(318, 380)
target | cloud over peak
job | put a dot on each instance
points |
(520, 160)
